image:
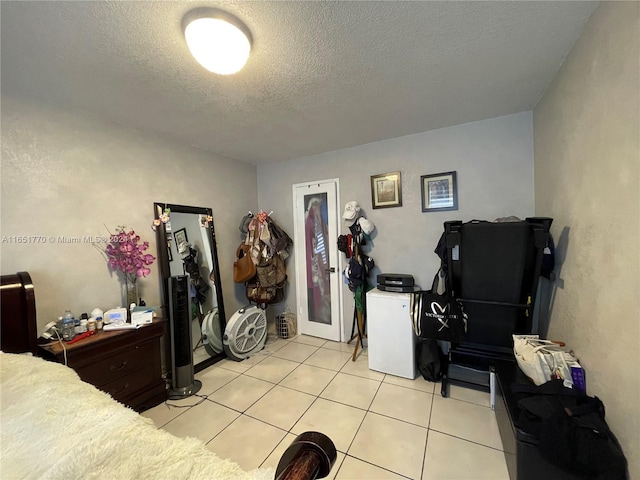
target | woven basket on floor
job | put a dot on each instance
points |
(286, 325)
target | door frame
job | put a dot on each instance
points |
(300, 280)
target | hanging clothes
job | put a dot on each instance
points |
(317, 263)
(358, 275)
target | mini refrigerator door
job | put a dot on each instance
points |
(390, 335)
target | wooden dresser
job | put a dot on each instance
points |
(124, 363)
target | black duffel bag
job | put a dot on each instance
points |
(571, 430)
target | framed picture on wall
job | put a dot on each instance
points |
(386, 190)
(439, 192)
(182, 242)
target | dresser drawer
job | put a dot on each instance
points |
(119, 365)
(126, 364)
(128, 385)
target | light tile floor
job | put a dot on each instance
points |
(384, 427)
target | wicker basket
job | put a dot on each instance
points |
(286, 325)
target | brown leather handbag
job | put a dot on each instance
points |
(272, 271)
(243, 267)
(261, 295)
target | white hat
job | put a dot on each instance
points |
(366, 225)
(351, 210)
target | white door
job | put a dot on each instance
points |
(318, 264)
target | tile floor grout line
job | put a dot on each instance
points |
(377, 466)
(226, 406)
(359, 376)
(325, 387)
(221, 386)
(431, 409)
(306, 358)
(295, 389)
(266, 423)
(426, 445)
(363, 418)
(226, 426)
(323, 368)
(257, 400)
(467, 440)
(397, 419)
(273, 450)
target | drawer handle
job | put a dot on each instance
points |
(126, 385)
(115, 369)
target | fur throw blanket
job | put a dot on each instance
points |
(54, 426)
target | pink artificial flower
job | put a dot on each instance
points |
(124, 253)
(143, 272)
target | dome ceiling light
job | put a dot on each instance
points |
(220, 42)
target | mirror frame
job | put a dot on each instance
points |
(165, 272)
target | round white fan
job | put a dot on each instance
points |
(246, 333)
(211, 334)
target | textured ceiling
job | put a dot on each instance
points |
(322, 75)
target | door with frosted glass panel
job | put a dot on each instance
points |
(317, 262)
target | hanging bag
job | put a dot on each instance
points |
(438, 316)
(260, 294)
(272, 271)
(243, 267)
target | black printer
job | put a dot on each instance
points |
(395, 282)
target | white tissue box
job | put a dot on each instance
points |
(141, 318)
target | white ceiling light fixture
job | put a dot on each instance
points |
(220, 42)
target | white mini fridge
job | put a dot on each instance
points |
(390, 336)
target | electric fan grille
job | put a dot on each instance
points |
(246, 333)
(250, 332)
(211, 336)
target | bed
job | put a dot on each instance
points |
(53, 425)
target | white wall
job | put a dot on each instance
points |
(70, 174)
(494, 163)
(587, 176)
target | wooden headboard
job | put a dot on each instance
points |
(18, 328)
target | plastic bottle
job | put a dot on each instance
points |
(59, 327)
(68, 325)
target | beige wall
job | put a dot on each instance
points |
(70, 174)
(587, 162)
(494, 163)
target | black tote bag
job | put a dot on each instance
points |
(438, 316)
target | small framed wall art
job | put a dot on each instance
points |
(386, 190)
(182, 242)
(439, 192)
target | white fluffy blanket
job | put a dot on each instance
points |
(55, 426)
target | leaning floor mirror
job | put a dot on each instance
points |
(187, 247)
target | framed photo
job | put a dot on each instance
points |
(386, 190)
(439, 192)
(170, 254)
(182, 242)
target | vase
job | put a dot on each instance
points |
(130, 291)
